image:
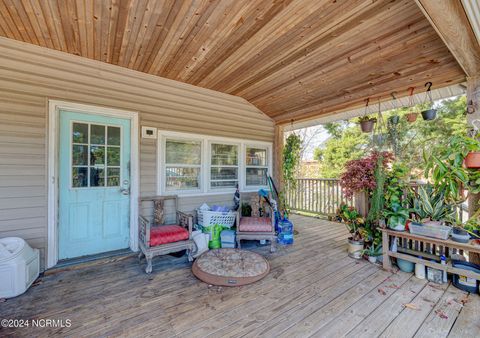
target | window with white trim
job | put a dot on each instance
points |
(223, 165)
(256, 166)
(192, 164)
(183, 164)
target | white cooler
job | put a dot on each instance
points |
(19, 266)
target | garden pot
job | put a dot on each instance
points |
(367, 126)
(355, 248)
(411, 117)
(372, 259)
(405, 266)
(435, 223)
(394, 119)
(397, 226)
(472, 160)
(429, 114)
(459, 231)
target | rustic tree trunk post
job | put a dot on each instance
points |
(473, 100)
(361, 203)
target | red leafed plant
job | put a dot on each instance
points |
(359, 174)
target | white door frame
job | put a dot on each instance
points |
(54, 107)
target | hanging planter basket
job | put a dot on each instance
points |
(394, 119)
(472, 160)
(367, 125)
(411, 117)
(429, 114)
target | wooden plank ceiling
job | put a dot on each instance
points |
(293, 59)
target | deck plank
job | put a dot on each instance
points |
(313, 288)
(409, 320)
(468, 322)
(444, 314)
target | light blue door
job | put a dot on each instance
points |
(94, 184)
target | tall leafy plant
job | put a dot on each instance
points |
(291, 160)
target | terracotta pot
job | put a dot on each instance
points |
(472, 160)
(411, 117)
(355, 248)
(429, 114)
(367, 126)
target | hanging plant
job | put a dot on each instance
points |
(366, 122)
(431, 113)
(411, 115)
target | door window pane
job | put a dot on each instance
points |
(113, 156)
(256, 176)
(79, 177)
(97, 177)
(113, 136)
(113, 177)
(97, 155)
(181, 178)
(89, 158)
(79, 155)
(183, 152)
(256, 157)
(97, 134)
(80, 133)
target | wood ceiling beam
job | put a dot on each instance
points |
(448, 18)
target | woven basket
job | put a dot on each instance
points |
(207, 218)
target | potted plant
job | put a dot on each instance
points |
(353, 221)
(367, 123)
(373, 252)
(396, 217)
(411, 116)
(395, 119)
(430, 113)
(429, 206)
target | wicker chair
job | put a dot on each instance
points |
(256, 228)
(164, 233)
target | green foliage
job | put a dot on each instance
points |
(445, 166)
(339, 150)
(373, 250)
(352, 220)
(291, 159)
(430, 204)
(378, 200)
(246, 210)
(396, 215)
(347, 142)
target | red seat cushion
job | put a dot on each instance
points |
(257, 224)
(164, 234)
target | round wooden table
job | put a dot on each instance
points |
(230, 267)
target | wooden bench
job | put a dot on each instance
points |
(410, 247)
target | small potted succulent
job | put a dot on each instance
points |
(367, 123)
(373, 252)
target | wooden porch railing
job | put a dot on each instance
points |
(317, 195)
(324, 195)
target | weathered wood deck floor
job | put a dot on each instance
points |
(313, 289)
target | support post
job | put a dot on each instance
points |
(473, 100)
(387, 264)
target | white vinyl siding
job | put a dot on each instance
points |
(30, 75)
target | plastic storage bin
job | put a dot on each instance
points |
(465, 283)
(19, 266)
(434, 231)
(227, 238)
